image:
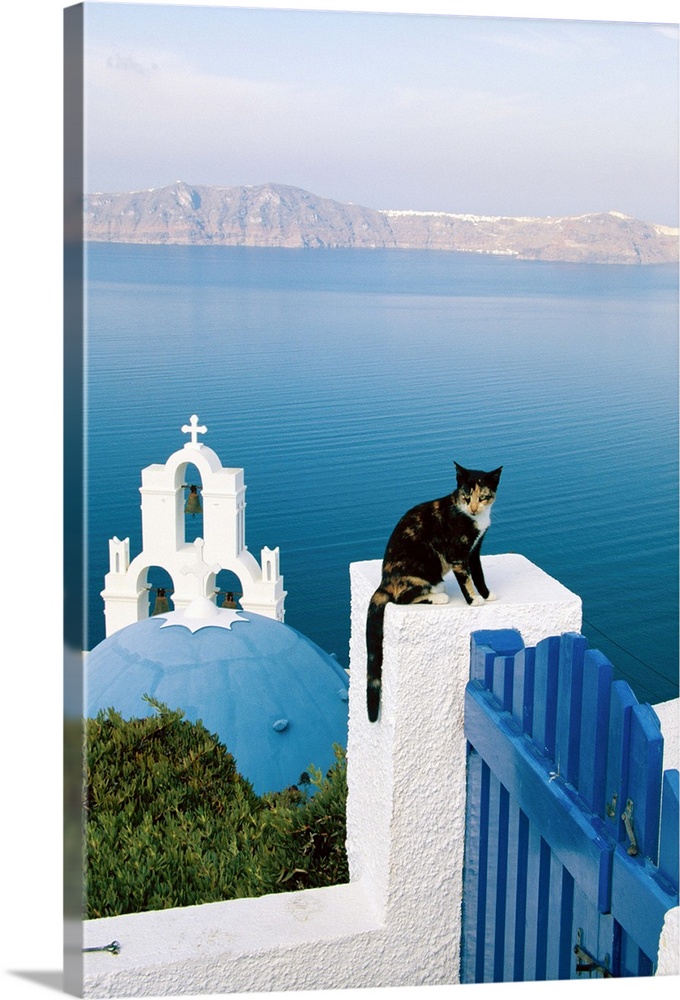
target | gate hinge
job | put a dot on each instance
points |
(587, 963)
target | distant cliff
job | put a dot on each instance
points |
(276, 215)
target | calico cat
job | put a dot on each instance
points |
(428, 541)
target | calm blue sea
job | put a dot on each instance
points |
(346, 382)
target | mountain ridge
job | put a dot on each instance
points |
(280, 215)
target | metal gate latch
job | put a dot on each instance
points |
(585, 962)
(627, 817)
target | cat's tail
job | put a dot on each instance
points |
(374, 650)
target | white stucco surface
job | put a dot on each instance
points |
(398, 921)
(669, 718)
(669, 945)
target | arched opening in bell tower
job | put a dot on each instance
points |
(229, 589)
(161, 589)
(192, 503)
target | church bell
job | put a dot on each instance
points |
(193, 504)
(161, 607)
(229, 600)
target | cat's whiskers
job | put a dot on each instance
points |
(482, 519)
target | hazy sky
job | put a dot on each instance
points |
(461, 114)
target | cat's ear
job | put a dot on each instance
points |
(496, 474)
(460, 471)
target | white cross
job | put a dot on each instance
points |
(199, 567)
(193, 429)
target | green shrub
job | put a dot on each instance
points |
(169, 821)
(313, 829)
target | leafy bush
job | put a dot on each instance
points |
(169, 821)
(313, 829)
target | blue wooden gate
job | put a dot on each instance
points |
(571, 849)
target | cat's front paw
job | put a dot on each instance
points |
(476, 600)
(491, 596)
(439, 598)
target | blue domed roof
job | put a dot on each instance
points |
(274, 698)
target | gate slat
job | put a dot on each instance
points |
(485, 646)
(559, 921)
(607, 948)
(621, 706)
(497, 881)
(633, 961)
(523, 689)
(546, 665)
(528, 961)
(543, 908)
(629, 964)
(483, 871)
(644, 965)
(502, 681)
(586, 920)
(568, 715)
(516, 893)
(566, 926)
(552, 929)
(645, 769)
(487, 928)
(596, 701)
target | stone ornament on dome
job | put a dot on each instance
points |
(202, 613)
(193, 429)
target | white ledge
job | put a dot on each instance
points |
(230, 946)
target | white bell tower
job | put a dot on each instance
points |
(192, 566)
